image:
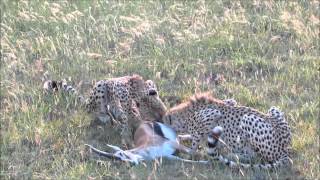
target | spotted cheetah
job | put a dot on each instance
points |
(128, 99)
(243, 129)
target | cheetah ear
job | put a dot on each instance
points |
(149, 83)
(136, 82)
(152, 92)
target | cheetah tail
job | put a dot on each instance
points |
(53, 86)
(283, 162)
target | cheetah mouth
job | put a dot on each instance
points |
(158, 118)
(158, 114)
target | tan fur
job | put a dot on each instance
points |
(128, 99)
(246, 130)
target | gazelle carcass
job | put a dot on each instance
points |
(152, 140)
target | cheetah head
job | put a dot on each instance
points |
(147, 99)
(276, 112)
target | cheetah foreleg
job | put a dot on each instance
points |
(184, 137)
(119, 114)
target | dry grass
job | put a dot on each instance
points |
(260, 53)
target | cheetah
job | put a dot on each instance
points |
(129, 99)
(243, 129)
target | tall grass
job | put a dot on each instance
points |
(262, 54)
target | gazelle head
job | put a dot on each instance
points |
(128, 156)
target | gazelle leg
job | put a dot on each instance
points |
(102, 153)
(186, 160)
(182, 148)
(186, 150)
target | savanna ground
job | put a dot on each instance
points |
(262, 54)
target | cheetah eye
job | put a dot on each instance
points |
(152, 92)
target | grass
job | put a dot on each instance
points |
(262, 54)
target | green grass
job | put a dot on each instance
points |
(264, 54)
